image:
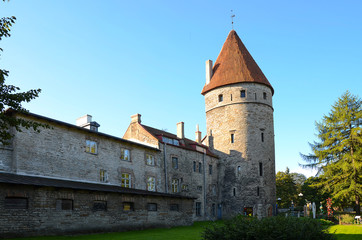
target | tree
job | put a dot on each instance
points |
(286, 188)
(10, 97)
(338, 154)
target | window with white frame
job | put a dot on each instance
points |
(150, 160)
(174, 185)
(103, 175)
(91, 147)
(151, 184)
(125, 155)
(126, 180)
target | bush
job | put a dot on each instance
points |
(247, 228)
(346, 218)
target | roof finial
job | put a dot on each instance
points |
(232, 20)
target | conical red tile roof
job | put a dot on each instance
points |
(235, 65)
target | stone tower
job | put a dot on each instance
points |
(240, 130)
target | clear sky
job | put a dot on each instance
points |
(112, 59)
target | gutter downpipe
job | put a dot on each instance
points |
(203, 160)
(165, 165)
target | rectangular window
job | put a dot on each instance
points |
(255, 96)
(231, 97)
(151, 184)
(152, 206)
(174, 162)
(125, 154)
(232, 138)
(126, 180)
(261, 169)
(194, 166)
(174, 207)
(264, 95)
(184, 187)
(16, 203)
(99, 206)
(221, 98)
(213, 210)
(210, 169)
(257, 191)
(128, 206)
(64, 204)
(198, 209)
(200, 167)
(103, 175)
(242, 93)
(174, 185)
(150, 160)
(262, 137)
(91, 147)
(234, 192)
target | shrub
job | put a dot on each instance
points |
(245, 228)
(346, 218)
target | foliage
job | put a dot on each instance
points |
(288, 185)
(312, 193)
(267, 228)
(10, 97)
(338, 154)
(346, 218)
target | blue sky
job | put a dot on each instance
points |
(112, 59)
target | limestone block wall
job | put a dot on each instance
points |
(60, 152)
(43, 217)
(241, 132)
(191, 183)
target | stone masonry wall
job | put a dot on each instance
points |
(60, 152)
(250, 120)
(44, 217)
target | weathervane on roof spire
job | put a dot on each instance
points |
(232, 20)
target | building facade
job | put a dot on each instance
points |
(74, 179)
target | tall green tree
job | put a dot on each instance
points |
(286, 188)
(338, 154)
(10, 97)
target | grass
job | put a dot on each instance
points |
(346, 232)
(177, 233)
(342, 232)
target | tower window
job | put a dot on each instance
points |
(210, 169)
(232, 138)
(242, 93)
(200, 168)
(261, 169)
(262, 137)
(194, 166)
(231, 97)
(234, 192)
(255, 96)
(221, 98)
(264, 95)
(239, 169)
(258, 191)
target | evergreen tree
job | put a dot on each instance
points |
(338, 154)
(10, 97)
(286, 188)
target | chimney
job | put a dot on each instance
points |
(208, 71)
(180, 130)
(86, 122)
(136, 118)
(197, 134)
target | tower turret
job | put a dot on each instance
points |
(240, 129)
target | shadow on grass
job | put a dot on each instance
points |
(348, 236)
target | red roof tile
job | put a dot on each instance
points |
(235, 65)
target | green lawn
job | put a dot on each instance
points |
(347, 232)
(342, 232)
(177, 233)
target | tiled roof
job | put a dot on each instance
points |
(11, 178)
(184, 142)
(235, 65)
